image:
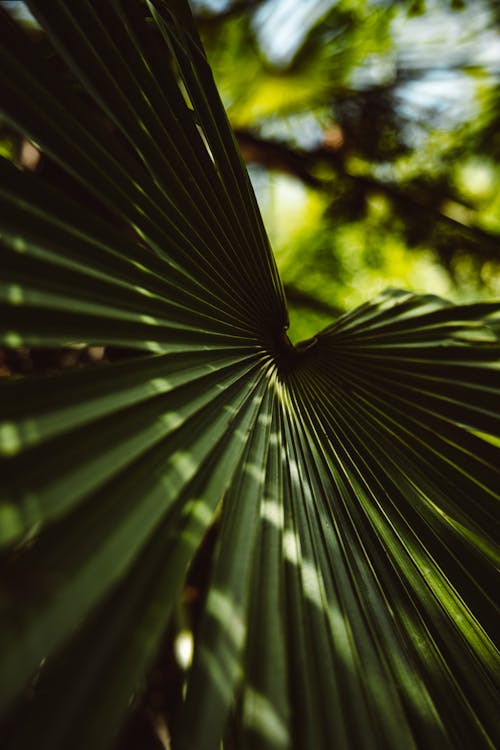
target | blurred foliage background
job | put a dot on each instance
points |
(372, 133)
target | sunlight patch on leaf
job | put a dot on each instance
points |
(223, 671)
(311, 583)
(143, 290)
(222, 608)
(150, 320)
(161, 384)
(15, 294)
(10, 439)
(272, 511)
(341, 634)
(172, 421)
(257, 472)
(199, 510)
(154, 346)
(13, 339)
(260, 715)
(492, 439)
(291, 547)
(183, 462)
(19, 244)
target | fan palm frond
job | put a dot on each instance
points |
(351, 600)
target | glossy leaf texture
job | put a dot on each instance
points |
(355, 478)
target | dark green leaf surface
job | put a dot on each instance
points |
(351, 601)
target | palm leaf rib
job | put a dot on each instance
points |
(355, 478)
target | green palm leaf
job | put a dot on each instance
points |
(355, 478)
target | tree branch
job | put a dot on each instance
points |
(303, 299)
(303, 164)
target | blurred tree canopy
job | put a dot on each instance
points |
(371, 130)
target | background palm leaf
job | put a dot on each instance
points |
(354, 478)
